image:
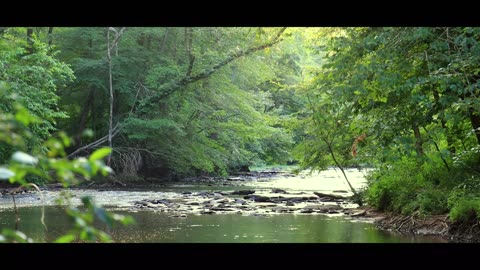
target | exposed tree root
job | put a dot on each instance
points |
(438, 225)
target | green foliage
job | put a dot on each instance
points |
(84, 229)
(402, 100)
(404, 186)
(53, 166)
(465, 210)
(13, 236)
(220, 123)
(33, 79)
(396, 188)
(413, 92)
(433, 201)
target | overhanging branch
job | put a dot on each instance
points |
(170, 88)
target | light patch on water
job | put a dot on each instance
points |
(326, 181)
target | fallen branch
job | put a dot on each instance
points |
(96, 143)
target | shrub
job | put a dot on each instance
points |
(433, 201)
(407, 185)
(395, 188)
(465, 210)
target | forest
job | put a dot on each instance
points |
(122, 106)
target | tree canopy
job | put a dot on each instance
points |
(182, 101)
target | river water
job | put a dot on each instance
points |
(161, 227)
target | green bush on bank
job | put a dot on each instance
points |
(395, 188)
(464, 200)
(408, 185)
(465, 210)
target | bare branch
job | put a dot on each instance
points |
(96, 143)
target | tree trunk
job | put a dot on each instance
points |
(330, 149)
(50, 36)
(174, 49)
(83, 117)
(438, 149)
(114, 45)
(450, 141)
(475, 120)
(110, 119)
(418, 141)
(188, 49)
(164, 40)
(29, 40)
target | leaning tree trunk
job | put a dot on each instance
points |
(330, 149)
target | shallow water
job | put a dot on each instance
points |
(325, 182)
(217, 228)
(227, 228)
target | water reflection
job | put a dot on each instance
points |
(227, 228)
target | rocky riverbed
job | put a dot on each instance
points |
(251, 202)
(251, 193)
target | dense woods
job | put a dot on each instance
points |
(173, 102)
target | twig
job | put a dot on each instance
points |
(17, 218)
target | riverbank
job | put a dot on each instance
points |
(433, 225)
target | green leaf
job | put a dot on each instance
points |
(87, 133)
(80, 222)
(23, 116)
(100, 153)
(65, 139)
(106, 170)
(87, 201)
(127, 220)
(65, 238)
(103, 216)
(24, 158)
(5, 174)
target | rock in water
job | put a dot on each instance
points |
(258, 198)
(240, 201)
(277, 190)
(323, 195)
(243, 192)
